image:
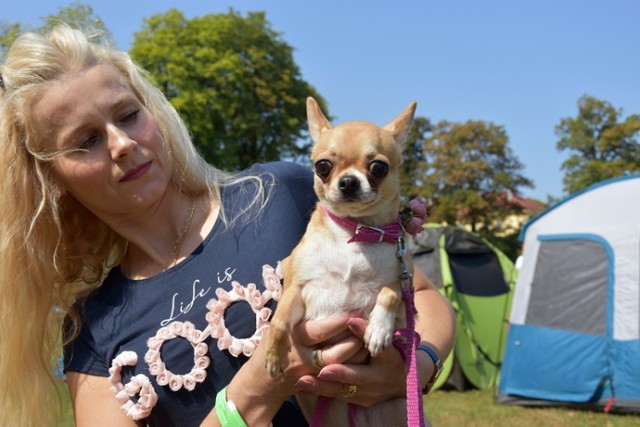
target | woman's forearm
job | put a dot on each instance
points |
(435, 323)
(256, 395)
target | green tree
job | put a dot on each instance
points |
(412, 170)
(76, 15)
(8, 33)
(601, 144)
(469, 169)
(234, 81)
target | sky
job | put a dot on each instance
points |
(519, 64)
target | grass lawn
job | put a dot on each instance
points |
(477, 408)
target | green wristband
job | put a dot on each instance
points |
(227, 412)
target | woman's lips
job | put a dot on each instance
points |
(136, 172)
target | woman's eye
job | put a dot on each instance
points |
(89, 142)
(323, 168)
(378, 169)
(130, 117)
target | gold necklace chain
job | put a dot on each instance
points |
(183, 233)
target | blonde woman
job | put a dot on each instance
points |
(164, 267)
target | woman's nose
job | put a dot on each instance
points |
(120, 144)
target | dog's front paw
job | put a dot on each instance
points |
(276, 357)
(276, 360)
(379, 332)
(377, 341)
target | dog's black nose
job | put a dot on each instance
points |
(350, 186)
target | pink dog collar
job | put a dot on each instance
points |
(364, 233)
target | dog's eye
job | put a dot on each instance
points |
(378, 169)
(323, 168)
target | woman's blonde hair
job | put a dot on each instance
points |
(53, 250)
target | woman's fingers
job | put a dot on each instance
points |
(361, 357)
(352, 391)
(378, 380)
(344, 391)
(348, 350)
(357, 326)
(314, 332)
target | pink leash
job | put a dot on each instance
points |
(407, 341)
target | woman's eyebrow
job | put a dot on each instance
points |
(123, 100)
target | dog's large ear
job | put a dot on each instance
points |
(400, 126)
(318, 123)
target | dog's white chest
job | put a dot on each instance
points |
(340, 276)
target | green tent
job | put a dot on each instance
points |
(478, 280)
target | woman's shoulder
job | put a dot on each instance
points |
(292, 178)
(282, 171)
(287, 185)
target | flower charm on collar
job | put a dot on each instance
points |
(414, 215)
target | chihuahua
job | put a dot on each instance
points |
(347, 259)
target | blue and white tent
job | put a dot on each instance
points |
(574, 333)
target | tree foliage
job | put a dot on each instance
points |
(8, 33)
(601, 144)
(233, 80)
(76, 15)
(412, 169)
(467, 169)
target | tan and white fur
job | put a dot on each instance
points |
(357, 176)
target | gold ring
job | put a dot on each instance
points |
(316, 359)
(351, 391)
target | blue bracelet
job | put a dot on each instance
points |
(227, 412)
(436, 362)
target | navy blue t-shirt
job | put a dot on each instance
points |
(123, 314)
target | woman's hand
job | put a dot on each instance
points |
(258, 396)
(347, 363)
(333, 338)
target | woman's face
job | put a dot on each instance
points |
(120, 165)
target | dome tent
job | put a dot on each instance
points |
(574, 336)
(478, 280)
